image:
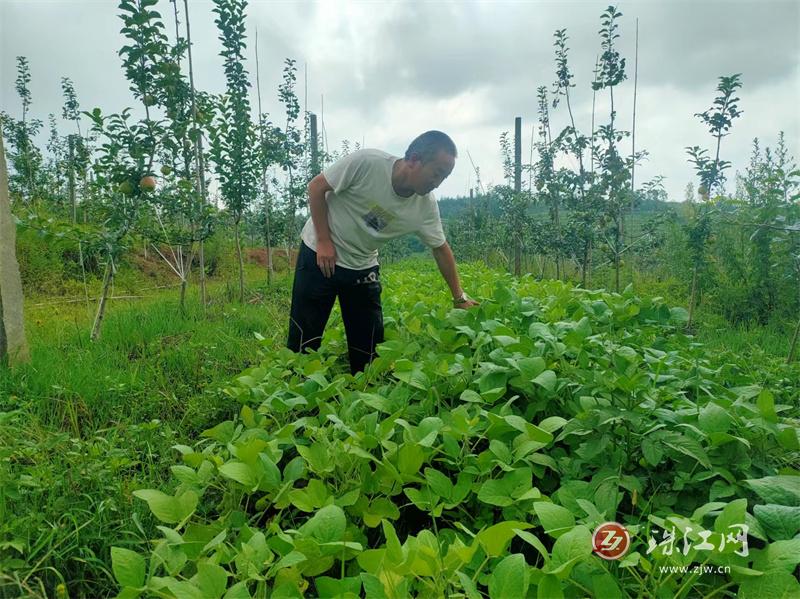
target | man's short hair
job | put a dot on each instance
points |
(428, 145)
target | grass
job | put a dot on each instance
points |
(772, 339)
(85, 424)
(152, 361)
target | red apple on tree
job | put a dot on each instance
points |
(147, 183)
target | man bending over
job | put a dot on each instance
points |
(357, 204)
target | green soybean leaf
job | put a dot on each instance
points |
(788, 438)
(379, 509)
(317, 457)
(574, 545)
(424, 498)
(394, 550)
(338, 587)
(606, 586)
(776, 585)
(714, 419)
(501, 451)
(546, 380)
(555, 519)
(240, 472)
(129, 567)
(781, 489)
(268, 472)
(286, 590)
(222, 433)
(679, 315)
(549, 587)
(652, 451)
(167, 508)
(410, 458)
(691, 447)
(327, 525)
(494, 492)
(439, 483)
(495, 538)
(287, 561)
(211, 579)
(510, 578)
(238, 591)
(780, 522)
(534, 541)
(427, 431)
(731, 515)
(530, 368)
(312, 496)
(373, 587)
(470, 590)
(780, 555)
(470, 396)
(184, 589)
(766, 406)
(552, 424)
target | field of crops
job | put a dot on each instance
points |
(618, 417)
(476, 457)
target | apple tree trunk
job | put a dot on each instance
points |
(13, 345)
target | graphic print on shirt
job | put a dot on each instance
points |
(378, 218)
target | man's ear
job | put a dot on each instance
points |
(414, 159)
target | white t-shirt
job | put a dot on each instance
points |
(364, 212)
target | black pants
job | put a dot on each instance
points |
(359, 293)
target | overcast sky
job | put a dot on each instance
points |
(389, 70)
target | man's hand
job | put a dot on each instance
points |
(326, 257)
(469, 303)
(326, 253)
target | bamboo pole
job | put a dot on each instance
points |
(315, 166)
(633, 127)
(71, 143)
(517, 193)
(264, 190)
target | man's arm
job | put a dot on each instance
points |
(326, 253)
(447, 266)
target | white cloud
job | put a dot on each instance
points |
(390, 70)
